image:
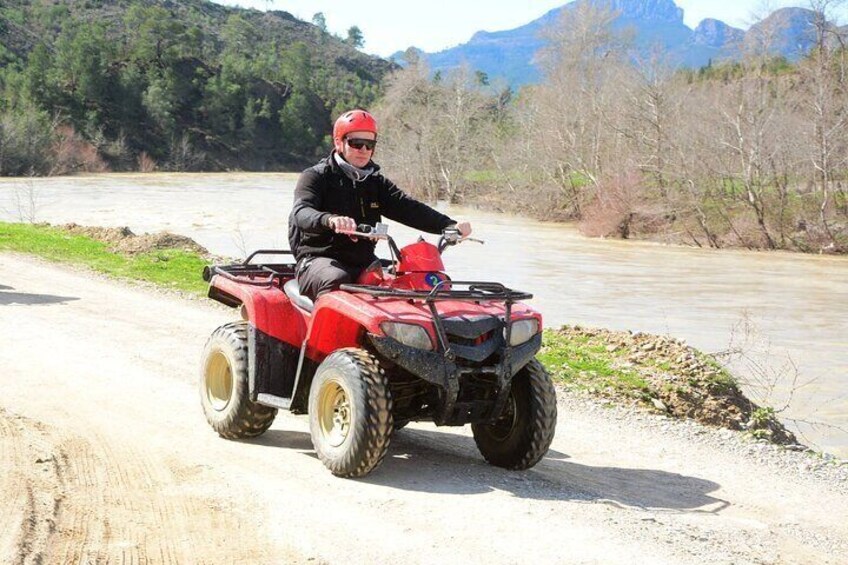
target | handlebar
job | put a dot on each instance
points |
(380, 231)
(450, 236)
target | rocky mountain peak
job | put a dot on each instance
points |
(716, 33)
(665, 11)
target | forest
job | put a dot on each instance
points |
(750, 153)
(150, 85)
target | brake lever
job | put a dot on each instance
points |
(380, 231)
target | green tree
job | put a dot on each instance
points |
(37, 88)
(160, 102)
(320, 21)
(354, 37)
(298, 135)
(154, 35)
(240, 37)
(296, 65)
(79, 71)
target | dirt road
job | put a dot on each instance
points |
(106, 457)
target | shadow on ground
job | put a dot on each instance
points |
(285, 438)
(28, 299)
(432, 461)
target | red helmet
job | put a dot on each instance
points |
(355, 120)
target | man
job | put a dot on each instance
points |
(340, 192)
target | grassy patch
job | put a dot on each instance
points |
(170, 268)
(484, 176)
(660, 372)
(585, 364)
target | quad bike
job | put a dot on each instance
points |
(406, 343)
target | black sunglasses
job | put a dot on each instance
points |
(357, 143)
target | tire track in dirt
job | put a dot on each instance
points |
(131, 507)
(75, 500)
(30, 489)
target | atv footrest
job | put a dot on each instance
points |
(274, 401)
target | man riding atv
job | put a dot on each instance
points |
(380, 347)
(342, 191)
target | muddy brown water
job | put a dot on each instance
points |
(798, 303)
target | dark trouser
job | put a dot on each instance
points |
(316, 275)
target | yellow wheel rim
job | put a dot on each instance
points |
(219, 381)
(334, 413)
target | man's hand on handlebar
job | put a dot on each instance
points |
(464, 228)
(455, 234)
(343, 224)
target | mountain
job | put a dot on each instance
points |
(788, 31)
(717, 34)
(510, 55)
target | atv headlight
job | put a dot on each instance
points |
(522, 330)
(408, 334)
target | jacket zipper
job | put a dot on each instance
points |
(361, 203)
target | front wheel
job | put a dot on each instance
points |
(522, 434)
(224, 391)
(350, 413)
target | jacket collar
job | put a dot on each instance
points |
(330, 161)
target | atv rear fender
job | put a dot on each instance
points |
(265, 307)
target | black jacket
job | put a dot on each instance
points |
(324, 191)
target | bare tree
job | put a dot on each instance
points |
(26, 201)
(753, 109)
(405, 146)
(652, 114)
(570, 115)
(824, 73)
(437, 132)
(464, 123)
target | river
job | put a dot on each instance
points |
(798, 303)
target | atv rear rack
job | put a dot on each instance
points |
(248, 273)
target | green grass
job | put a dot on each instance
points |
(580, 364)
(484, 176)
(169, 268)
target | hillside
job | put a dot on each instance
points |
(177, 85)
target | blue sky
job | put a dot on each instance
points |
(394, 25)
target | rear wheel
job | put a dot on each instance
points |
(350, 413)
(224, 392)
(521, 436)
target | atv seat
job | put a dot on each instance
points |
(292, 290)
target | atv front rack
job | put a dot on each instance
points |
(476, 290)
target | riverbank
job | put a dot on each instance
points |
(674, 229)
(658, 374)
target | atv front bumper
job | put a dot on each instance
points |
(447, 371)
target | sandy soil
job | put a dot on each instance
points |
(105, 457)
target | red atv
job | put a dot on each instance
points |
(406, 343)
